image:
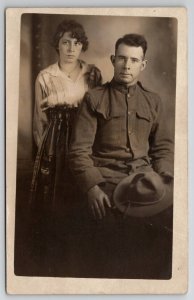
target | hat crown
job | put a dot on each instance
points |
(143, 194)
(147, 188)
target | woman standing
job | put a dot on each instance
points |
(59, 90)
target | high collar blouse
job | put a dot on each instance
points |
(55, 83)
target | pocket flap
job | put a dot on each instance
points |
(143, 115)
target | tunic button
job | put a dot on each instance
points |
(127, 150)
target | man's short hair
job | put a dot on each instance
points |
(132, 39)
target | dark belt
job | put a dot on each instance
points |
(61, 112)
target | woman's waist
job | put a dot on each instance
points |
(61, 112)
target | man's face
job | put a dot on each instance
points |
(128, 63)
(69, 48)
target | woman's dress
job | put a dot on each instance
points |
(52, 183)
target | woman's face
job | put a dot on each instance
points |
(69, 48)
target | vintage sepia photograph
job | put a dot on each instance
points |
(95, 168)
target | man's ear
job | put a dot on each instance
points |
(144, 64)
(112, 58)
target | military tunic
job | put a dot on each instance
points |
(119, 130)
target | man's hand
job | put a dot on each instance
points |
(97, 201)
(167, 177)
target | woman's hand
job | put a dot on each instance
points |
(97, 201)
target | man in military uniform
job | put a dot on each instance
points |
(120, 130)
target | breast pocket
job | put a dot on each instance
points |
(110, 130)
(142, 126)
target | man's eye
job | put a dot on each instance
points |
(134, 60)
(77, 43)
(121, 58)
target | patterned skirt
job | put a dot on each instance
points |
(52, 184)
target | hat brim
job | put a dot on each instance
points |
(120, 198)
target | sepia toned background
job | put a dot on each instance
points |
(37, 53)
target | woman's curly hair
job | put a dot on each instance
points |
(77, 32)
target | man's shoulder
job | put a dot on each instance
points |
(151, 96)
(147, 91)
(98, 89)
(96, 94)
(95, 97)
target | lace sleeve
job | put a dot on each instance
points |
(94, 77)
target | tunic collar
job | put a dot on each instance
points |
(123, 88)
